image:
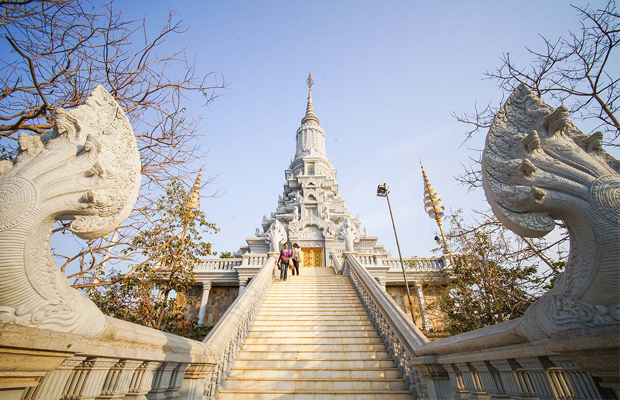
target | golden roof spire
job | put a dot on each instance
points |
(310, 115)
(193, 198)
(433, 205)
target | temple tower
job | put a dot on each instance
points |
(310, 207)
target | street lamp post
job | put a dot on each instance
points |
(382, 191)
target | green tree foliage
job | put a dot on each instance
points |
(494, 277)
(226, 254)
(154, 295)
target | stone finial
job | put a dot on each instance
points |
(86, 169)
(310, 116)
(538, 167)
(349, 233)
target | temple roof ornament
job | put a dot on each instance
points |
(433, 206)
(193, 198)
(310, 116)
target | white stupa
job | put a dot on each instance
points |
(310, 209)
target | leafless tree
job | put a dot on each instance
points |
(580, 71)
(57, 52)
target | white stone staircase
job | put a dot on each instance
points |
(313, 340)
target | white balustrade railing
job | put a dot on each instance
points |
(367, 259)
(415, 263)
(218, 264)
(228, 335)
(401, 337)
(229, 264)
(256, 259)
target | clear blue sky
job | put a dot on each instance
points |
(387, 76)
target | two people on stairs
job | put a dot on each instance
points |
(286, 256)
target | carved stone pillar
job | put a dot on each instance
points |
(457, 381)
(117, 382)
(433, 377)
(379, 272)
(506, 376)
(176, 381)
(161, 381)
(425, 323)
(472, 381)
(242, 285)
(206, 288)
(490, 380)
(87, 379)
(533, 372)
(245, 273)
(142, 380)
(53, 384)
(194, 381)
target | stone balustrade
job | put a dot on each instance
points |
(491, 363)
(228, 335)
(414, 263)
(229, 264)
(401, 336)
(129, 361)
(218, 264)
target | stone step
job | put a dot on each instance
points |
(297, 385)
(298, 341)
(309, 373)
(314, 328)
(317, 318)
(313, 395)
(313, 339)
(315, 323)
(309, 306)
(298, 303)
(334, 355)
(313, 363)
(281, 333)
(294, 312)
(278, 347)
(328, 297)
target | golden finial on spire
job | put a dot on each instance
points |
(433, 205)
(193, 198)
(310, 115)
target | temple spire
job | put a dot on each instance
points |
(193, 198)
(310, 116)
(433, 206)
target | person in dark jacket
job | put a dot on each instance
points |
(283, 261)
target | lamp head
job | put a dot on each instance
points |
(382, 190)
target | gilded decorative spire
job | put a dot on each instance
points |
(193, 198)
(433, 205)
(310, 116)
